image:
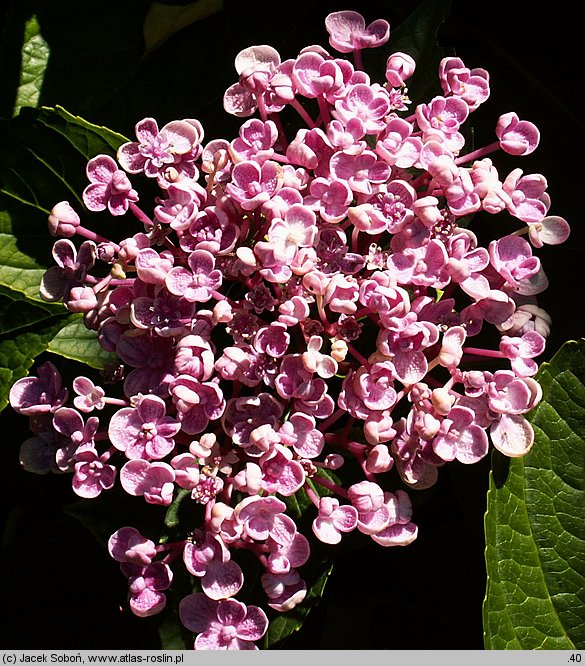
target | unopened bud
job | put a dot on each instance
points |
(63, 220)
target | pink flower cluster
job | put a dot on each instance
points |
(292, 301)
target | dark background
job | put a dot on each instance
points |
(59, 587)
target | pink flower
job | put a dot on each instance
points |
(373, 513)
(41, 394)
(442, 118)
(128, 545)
(369, 103)
(472, 86)
(259, 515)
(331, 199)
(399, 67)
(222, 625)
(209, 559)
(253, 184)
(297, 229)
(144, 431)
(552, 230)
(92, 474)
(512, 435)
(314, 75)
(109, 187)
(512, 258)
(154, 481)
(63, 220)
(72, 267)
(255, 142)
(517, 137)
(528, 199)
(158, 150)
(299, 431)
(460, 438)
(197, 284)
(360, 171)
(284, 590)
(197, 402)
(280, 473)
(522, 350)
(146, 585)
(334, 519)
(348, 32)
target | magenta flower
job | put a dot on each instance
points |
(460, 438)
(144, 431)
(253, 184)
(63, 220)
(222, 625)
(517, 137)
(197, 284)
(284, 590)
(153, 481)
(128, 545)
(348, 32)
(146, 585)
(197, 402)
(360, 171)
(155, 151)
(369, 103)
(334, 519)
(109, 187)
(92, 474)
(41, 394)
(331, 199)
(70, 271)
(260, 516)
(471, 85)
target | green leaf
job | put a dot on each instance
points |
(87, 138)
(18, 353)
(535, 522)
(164, 20)
(35, 57)
(76, 342)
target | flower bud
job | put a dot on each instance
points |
(81, 299)
(63, 220)
(399, 67)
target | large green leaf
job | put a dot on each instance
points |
(535, 522)
(79, 343)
